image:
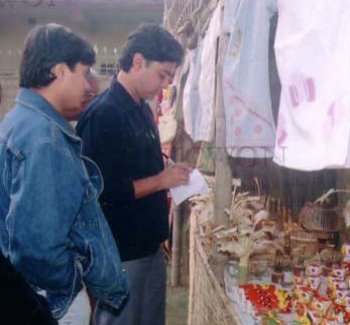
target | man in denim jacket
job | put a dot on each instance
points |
(51, 225)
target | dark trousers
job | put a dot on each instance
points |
(146, 303)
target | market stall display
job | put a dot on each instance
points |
(281, 244)
(282, 282)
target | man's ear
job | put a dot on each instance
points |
(59, 70)
(137, 60)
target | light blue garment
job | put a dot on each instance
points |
(250, 126)
(50, 219)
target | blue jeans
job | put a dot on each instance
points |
(146, 304)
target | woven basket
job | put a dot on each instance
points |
(208, 303)
(316, 218)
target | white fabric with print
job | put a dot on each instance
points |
(206, 82)
(312, 48)
(250, 127)
(191, 102)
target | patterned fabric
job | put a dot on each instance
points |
(250, 128)
(313, 57)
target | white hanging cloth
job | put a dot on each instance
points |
(199, 91)
(191, 102)
(231, 8)
(250, 127)
(206, 82)
(312, 48)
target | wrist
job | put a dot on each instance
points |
(159, 181)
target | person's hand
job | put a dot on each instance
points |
(175, 175)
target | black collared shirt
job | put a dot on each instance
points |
(121, 137)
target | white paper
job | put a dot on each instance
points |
(196, 185)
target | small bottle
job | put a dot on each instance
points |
(287, 244)
(277, 274)
(288, 276)
(277, 277)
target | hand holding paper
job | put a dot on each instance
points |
(196, 185)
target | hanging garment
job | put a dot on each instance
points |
(167, 127)
(230, 14)
(250, 127)
(180, 79)
(206, 82)
(199, 92)
(167, 124)
(168, 98)
(312, 48)
(191, 102)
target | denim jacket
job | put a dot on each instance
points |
(51, 225)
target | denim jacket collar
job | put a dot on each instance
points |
(33, 100)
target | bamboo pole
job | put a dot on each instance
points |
(176, 247)
(223, 173)
(191, 300)
(177, 221)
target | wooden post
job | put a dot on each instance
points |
(176, 247)
(177, 221)
(223, 173)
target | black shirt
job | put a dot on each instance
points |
(121, 137)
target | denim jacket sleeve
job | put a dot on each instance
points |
(44, 203)
(58, 234)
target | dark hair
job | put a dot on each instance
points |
(47, 45)
(154, 43)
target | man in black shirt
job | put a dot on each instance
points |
(120, 135)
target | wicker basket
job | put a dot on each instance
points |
(316, 218)
(208, 303)
(309, 241)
